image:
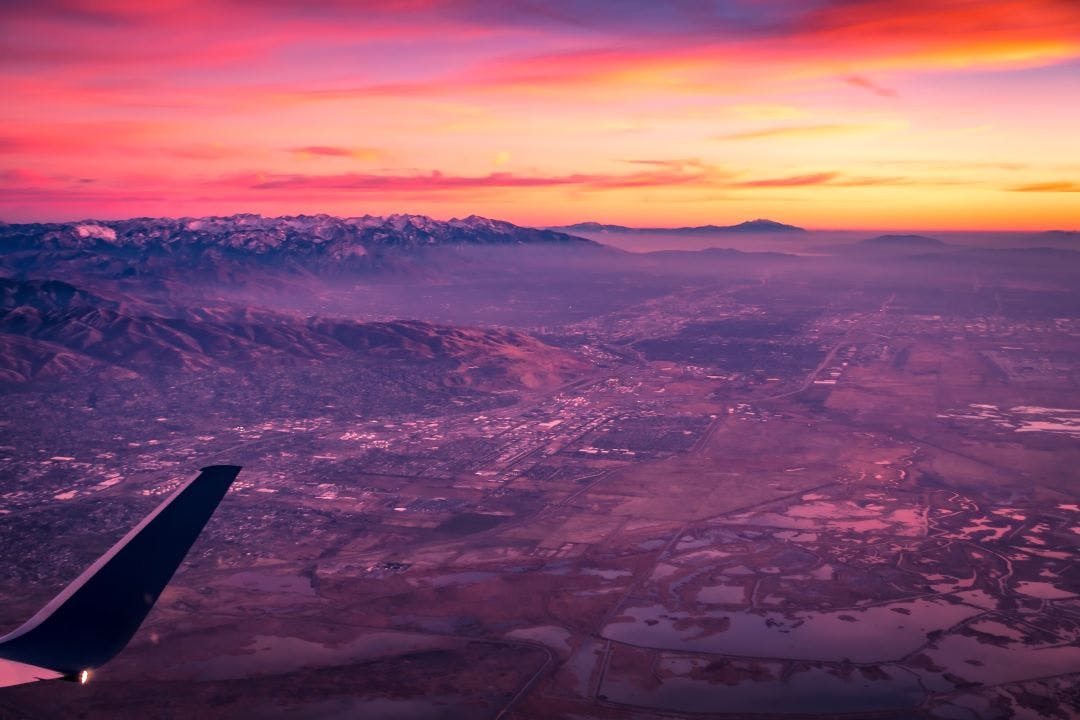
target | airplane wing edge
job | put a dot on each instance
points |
(94, 617)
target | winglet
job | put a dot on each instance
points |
(94, 617)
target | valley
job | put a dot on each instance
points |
(724, 484)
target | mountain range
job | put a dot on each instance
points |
(215, 245)
(302, 234)
(750, 226)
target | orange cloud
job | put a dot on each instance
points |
(1058, 186)
(355, 153)
(924, 34)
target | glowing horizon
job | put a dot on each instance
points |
(951, 115)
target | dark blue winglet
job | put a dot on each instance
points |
(94, 617)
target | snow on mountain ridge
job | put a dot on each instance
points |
(95, 231)
(298, 238)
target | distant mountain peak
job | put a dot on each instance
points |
(592, 226)
(763, 225)
(760, 225)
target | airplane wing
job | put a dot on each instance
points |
(94, 617)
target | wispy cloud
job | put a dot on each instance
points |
(356, 153)
(1057, 186)
(444, 182)
(842, 180)
(792, 181)
(867, 84)
(801, 131)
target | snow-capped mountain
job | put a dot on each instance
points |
(231, 248)
(320, 234)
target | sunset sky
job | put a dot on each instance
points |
(828, 114)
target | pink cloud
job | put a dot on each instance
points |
(867, 84)
(356, 153)
(792, 181)
(441, 182)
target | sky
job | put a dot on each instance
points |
(831, 114)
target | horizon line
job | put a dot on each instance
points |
(560, 226)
